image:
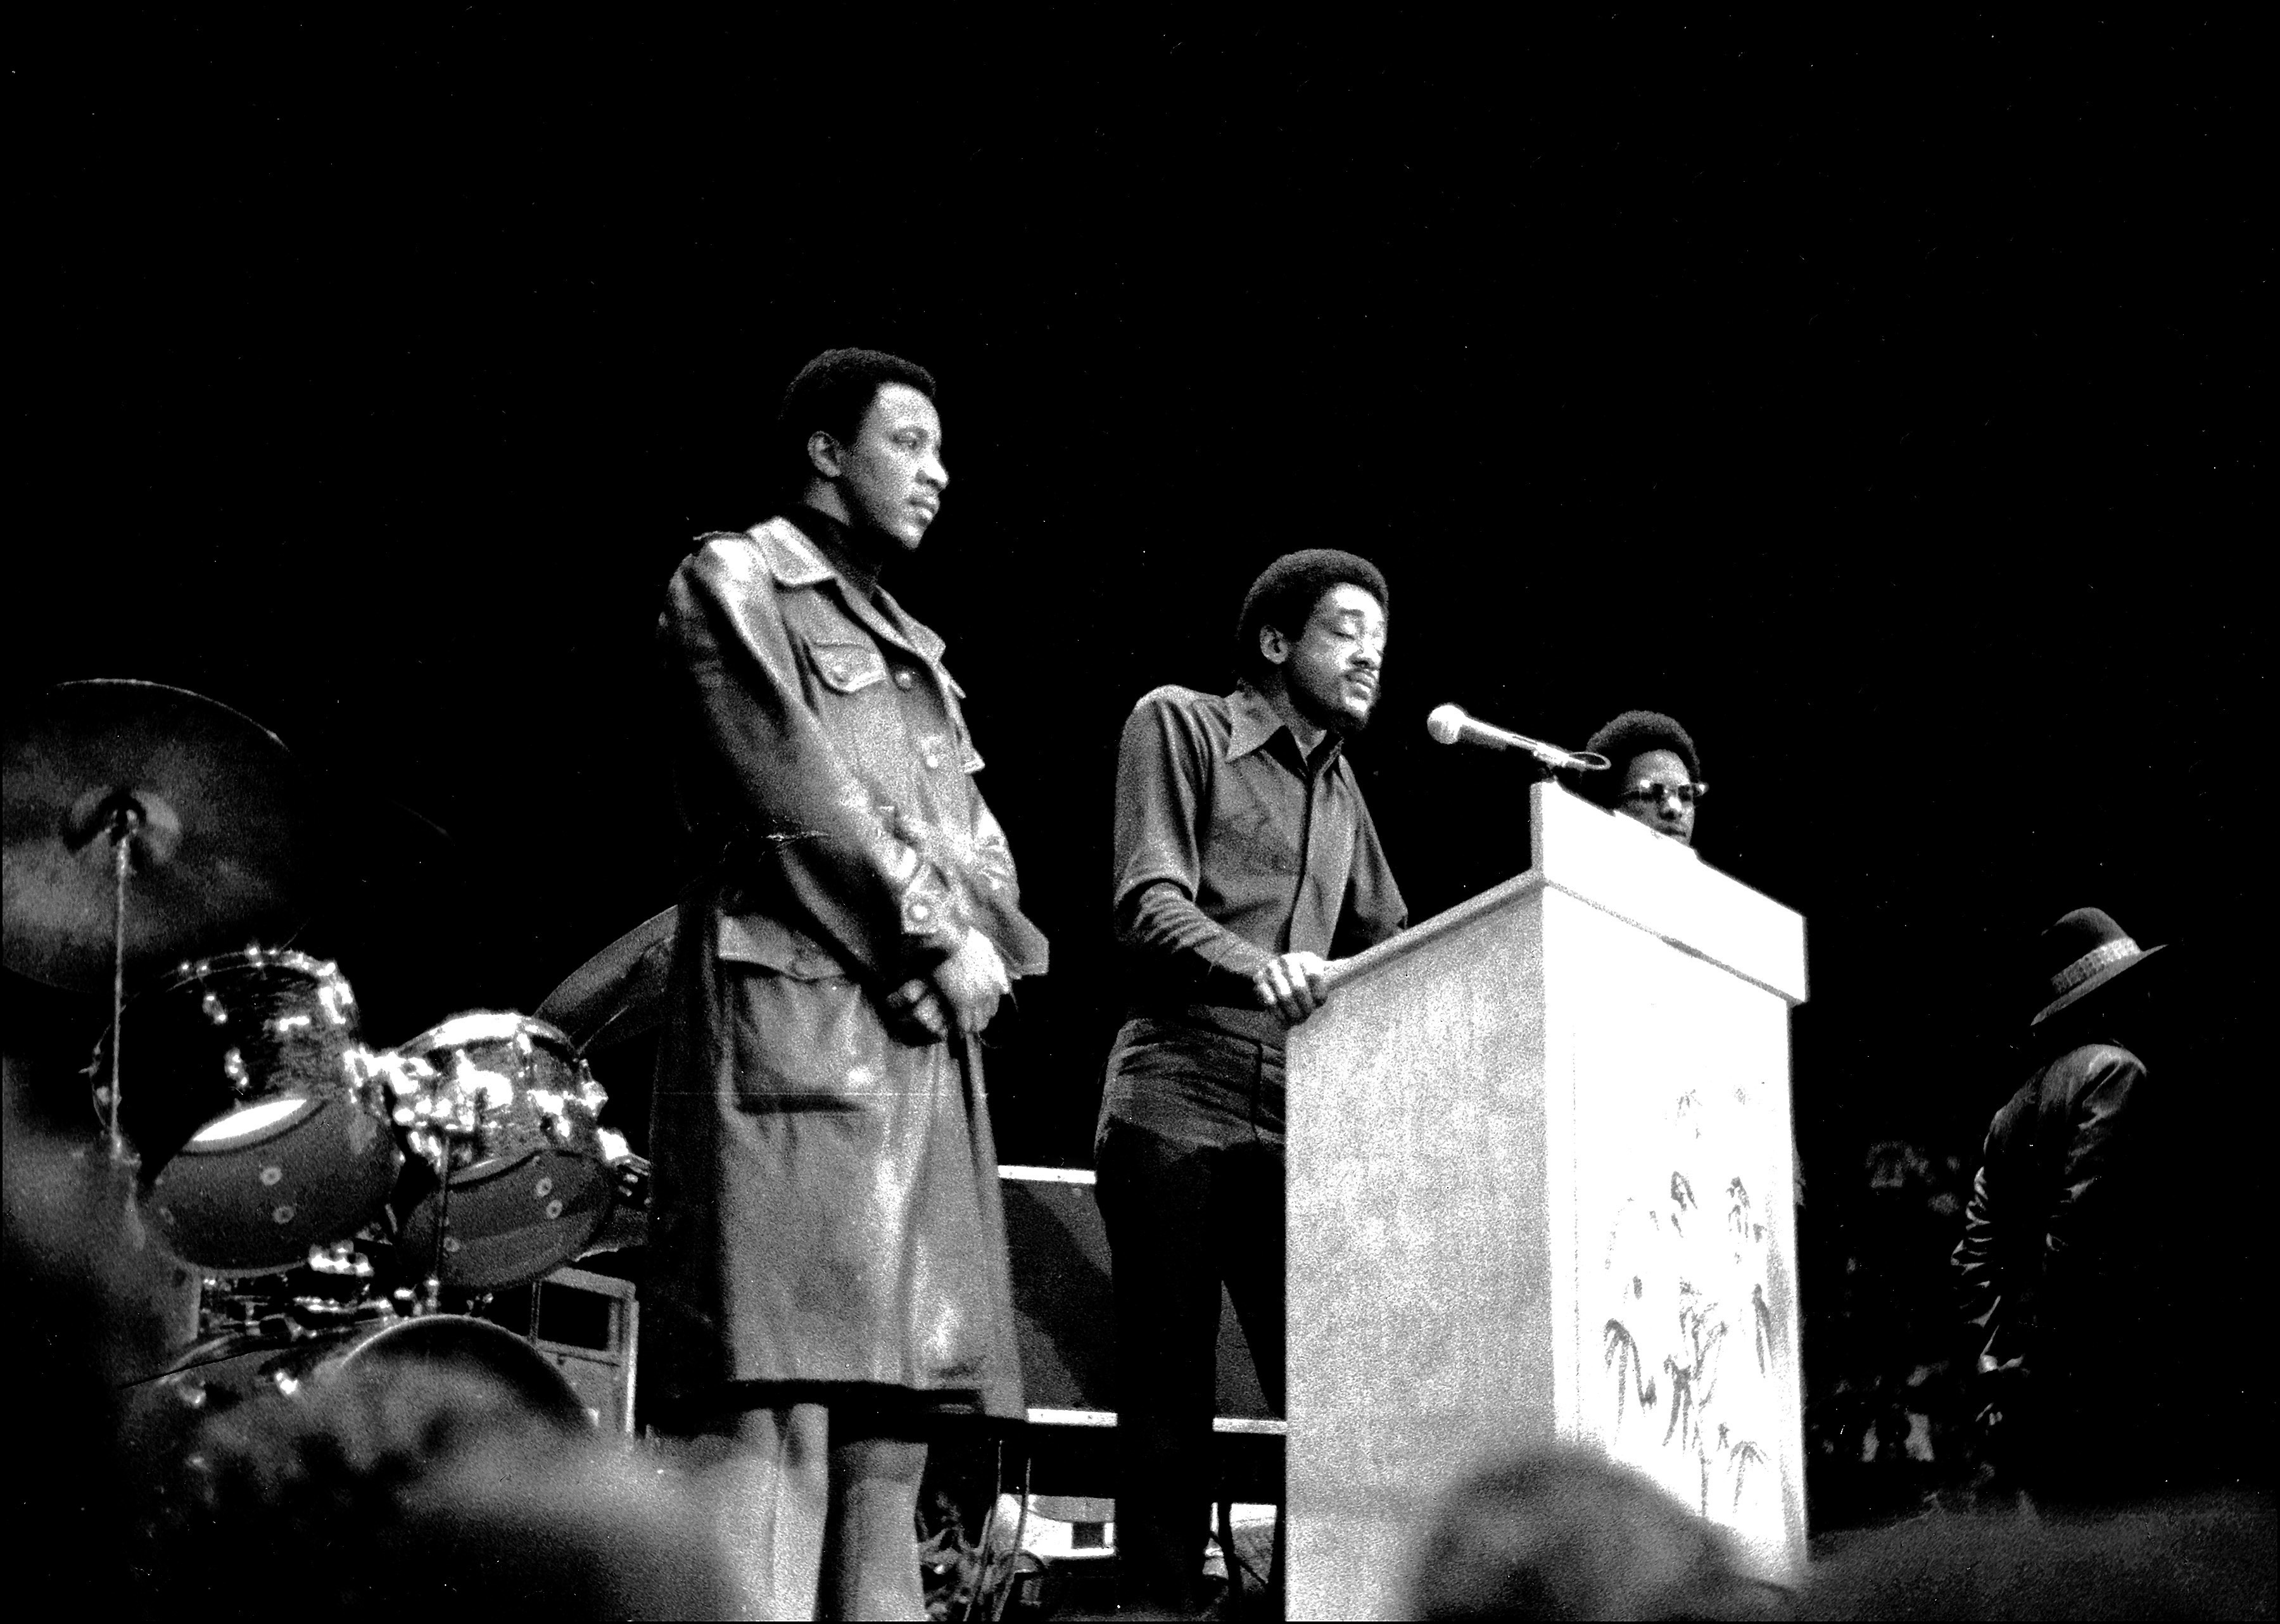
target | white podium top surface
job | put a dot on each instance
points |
(1653, 882)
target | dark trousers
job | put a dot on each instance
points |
(1190, 1178)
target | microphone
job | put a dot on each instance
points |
(1449, 725)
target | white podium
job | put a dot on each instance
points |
(1541, 1184)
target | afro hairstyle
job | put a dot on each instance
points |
(1634, 733)
(1286, 592)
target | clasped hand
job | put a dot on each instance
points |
(963, 989)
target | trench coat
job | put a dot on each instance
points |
(825, 1207)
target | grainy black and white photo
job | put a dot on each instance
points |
(1065, 815)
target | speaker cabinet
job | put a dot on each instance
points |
(588, 1327)
(1059, 1250)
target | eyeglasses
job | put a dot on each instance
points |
(1655, 794)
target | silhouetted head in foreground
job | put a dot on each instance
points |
(1568, 1533)
(428, 1491)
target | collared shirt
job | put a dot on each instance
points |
(1231, 848)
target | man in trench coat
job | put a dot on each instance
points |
(828, 1250)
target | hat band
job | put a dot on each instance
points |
(2091, 963)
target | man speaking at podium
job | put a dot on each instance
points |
(1245, 862)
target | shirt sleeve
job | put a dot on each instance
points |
(769, 767)
(1162, 778)
(1372, 909)
(992, 894)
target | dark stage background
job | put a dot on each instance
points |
(1882, 402)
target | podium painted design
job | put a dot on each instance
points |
(1541, 1188)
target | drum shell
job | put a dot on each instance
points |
(261, 1028)
(162, 1414)
(254, 1209)
(530, 1184)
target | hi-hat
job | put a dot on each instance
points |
(620, 993)
(219, 813)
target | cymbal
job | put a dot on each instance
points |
(217, 854)
(620, 993)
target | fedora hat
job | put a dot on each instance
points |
(2080, 954)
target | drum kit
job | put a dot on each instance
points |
(331, 1192)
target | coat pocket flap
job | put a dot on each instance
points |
(847, 668)
(756, 939)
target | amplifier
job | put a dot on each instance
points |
(1067, 1313)
(588, 1327)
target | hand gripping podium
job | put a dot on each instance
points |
(1541, 1184)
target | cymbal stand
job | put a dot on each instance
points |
(441, 1130)
(426, 1115)
(124, 818)
(431, 1290)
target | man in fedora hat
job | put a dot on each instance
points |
(2059, 1271)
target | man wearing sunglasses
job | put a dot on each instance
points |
(1657, 779)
